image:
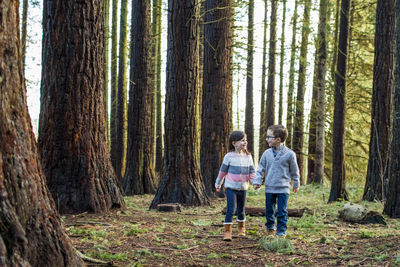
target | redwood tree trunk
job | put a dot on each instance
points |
(139, 175)
(392, 204)
(181, 181)
(338, 188)
(376, 181)
(216, 123)
(31, 231)
(72, 132)
(271, 66)
(262, 144)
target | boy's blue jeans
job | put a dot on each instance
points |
(235, 198)
(271, 201)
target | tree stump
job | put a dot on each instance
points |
(169, 207)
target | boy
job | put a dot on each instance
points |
(280, 167)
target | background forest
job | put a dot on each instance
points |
(139, 98)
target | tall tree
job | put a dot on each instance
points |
(157, 7)
(321, 66)
(139, 175)
(106, 61)
(392, 204)
(290, 106)
(338, 188)
(282, 62)
(72, 132)
(114, 84)
(24, 29)
(31, 230)
(120, 129)
(263, 128)
(271, 66)
(216, 123)
(248, 124)
(376, 181)
(298, 127)
(181, 181)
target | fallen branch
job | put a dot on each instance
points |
(90, 259)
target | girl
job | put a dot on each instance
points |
(237, 169)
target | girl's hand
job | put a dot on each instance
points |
(295, 190)
(218, 189)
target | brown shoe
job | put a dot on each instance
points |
(270, 232)
(227, 232)
(241, 229)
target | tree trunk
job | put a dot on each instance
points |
(31, 230)
(216, 123)
(106, 63)
(157, 6)
(114, 85)
(72, 132)
(181, 181)
(392, 204)
(271, 66)
(139, 176)
(248, 124)
(282, 61)
(120, 129)
(321, 54)
(298, 128)
(24, 30)
(338, 190)
(290, 107)
(263, 128)
(376, 182)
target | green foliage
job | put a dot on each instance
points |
(135, 230)
(276, 244)
(201, 222)
(366, 234)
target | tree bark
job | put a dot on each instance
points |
(31, 230)
(263, 128)
(106, 63)
(216, 123)
(392, 204)
(120, 129)
(271, 66)
(320, 85)
(298, 127)
(338, 188)
(72, 132)
(24, 29)
(290, 104)
(157, 8)
(282, 62)
(181, 181)
(249, 125)
(379, 150)
(139, 176)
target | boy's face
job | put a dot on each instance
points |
(272, 140)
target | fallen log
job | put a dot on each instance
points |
(169, 207)
(258, 212)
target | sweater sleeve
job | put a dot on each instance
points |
(294, 171)
(223, 170)
(261, 168)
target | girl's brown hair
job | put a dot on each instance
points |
(234, 137)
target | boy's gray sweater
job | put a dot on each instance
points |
(279, 171)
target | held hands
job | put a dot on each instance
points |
(295, 190)
(256, 186)
(217, 187)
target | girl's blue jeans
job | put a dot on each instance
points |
(271, 203)
(235, 198)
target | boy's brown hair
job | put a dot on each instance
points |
(279, 131)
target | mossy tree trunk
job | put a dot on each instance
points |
(338, 186)
(181, 181)
(72, 132)
(139, 175)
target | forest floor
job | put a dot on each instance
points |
(193, 237)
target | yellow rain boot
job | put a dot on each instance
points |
(241, 229)
(227, 232)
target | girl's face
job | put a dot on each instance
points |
(240, 145)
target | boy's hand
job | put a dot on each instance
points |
(256, 186)
(295, 190)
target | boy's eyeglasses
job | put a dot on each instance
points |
(270, 137)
